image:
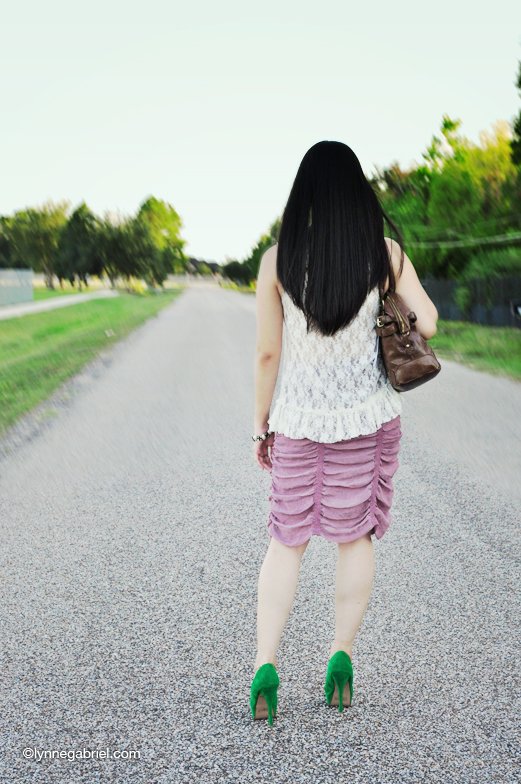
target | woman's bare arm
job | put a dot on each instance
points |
(410, 289)
(268, 340)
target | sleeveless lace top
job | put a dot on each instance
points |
(332, 387)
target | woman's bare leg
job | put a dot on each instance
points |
(277, 585)
(354, 582)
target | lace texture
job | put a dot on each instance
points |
(332, 387)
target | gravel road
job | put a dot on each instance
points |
(133, 524)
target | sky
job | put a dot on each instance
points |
(211, 106)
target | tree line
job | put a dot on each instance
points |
(459, 209)
(72, 247)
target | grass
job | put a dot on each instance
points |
(229, 284)
(42, 292)
(493, 349)
(39, 351)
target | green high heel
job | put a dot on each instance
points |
(263, 694)
(339, 672)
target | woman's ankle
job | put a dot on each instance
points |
(341, 646)
(260, 660)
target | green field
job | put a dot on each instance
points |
(494, 349)
(41, 350)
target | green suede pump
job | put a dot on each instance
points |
(263, 694)
(339, 672)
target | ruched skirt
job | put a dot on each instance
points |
(339, 490)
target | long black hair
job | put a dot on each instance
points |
(331, 247)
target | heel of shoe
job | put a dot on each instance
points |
(339, 672)
(340, 679)
(266, 705)
(264, 693)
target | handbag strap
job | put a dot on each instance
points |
(392, 284)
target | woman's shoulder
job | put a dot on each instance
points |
(269, 258)
(274, 249)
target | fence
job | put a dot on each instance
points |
(492, 301)
(16, 285)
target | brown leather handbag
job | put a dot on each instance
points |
(408, 359)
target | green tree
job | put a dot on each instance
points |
(513, 187)
(470, 188)
(238, 272)
(164, 225)
(515, 144)
(78, 254)
(148, 258)
(34, 236)
(5, 245)
(252, 262)
(111, 247)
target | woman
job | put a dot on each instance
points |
(331, 439)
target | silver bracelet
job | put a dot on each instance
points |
(263, 437)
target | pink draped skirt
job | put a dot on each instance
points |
(340, 490)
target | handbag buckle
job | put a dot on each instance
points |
(379, 322)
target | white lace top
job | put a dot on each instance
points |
(332, 387)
